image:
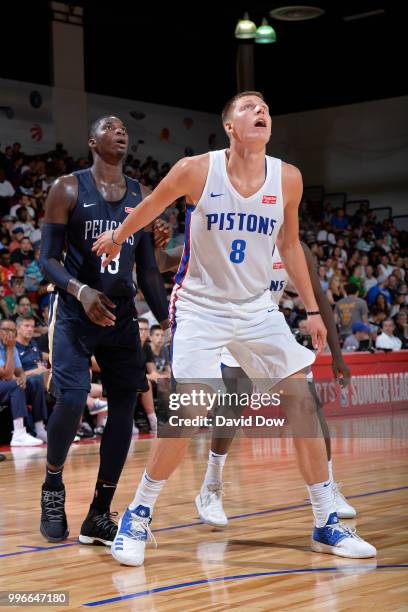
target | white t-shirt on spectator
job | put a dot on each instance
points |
(325, 236)
(27, 227)
(370, 282)
(29, 209)
(384, 341)
(385, 270)
(6, 189)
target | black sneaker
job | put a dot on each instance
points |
(53, 526)
(85, 431)
(99, 529)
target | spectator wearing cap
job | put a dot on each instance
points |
(349, 310)
(387, 341)
(359, 339)
(17, 235)
(288, 312)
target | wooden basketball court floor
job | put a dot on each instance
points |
(262, 561)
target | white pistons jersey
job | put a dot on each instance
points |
(230, 239)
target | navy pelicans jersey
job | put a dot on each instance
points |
(229, 239)
(91, 216)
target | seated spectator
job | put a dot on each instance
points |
(24, 254)
(366, 243)
(325, 235)
(340, 220)
(369, 281)
(24, 221)
(160, 353)
(7, 270)
(401, 328)
(302, 335)
(393, 285)
(359, 339)
(381, 303)
(380, 287)
(335, 291)
(23, 202)
(151, 374)
(16, 390)
(32, 360)
(4, 313)
(375, 320)
(6, 193)
(385, 268)
(357, 279)
(32, 273)
(7, 223)
(17, 235)
(16, 290)
(387, 341)
(287, 307)
(349, 310)
(323, 279)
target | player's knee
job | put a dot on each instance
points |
(73, 400)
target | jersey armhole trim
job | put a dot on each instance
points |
(211, 155)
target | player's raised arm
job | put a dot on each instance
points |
(292, 253)
(178, 182)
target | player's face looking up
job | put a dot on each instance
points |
(249, 120)
(110, 138)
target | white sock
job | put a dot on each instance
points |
(147, 492)
(152, 418)
(18, 425)
(322, 500)
(101, 419)
(330, 468)
(39, 426)
(215, 466)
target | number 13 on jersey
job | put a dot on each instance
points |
(112, 267)
(237, 254)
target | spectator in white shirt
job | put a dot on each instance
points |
(384, 268)
(370, 280)
(387, 341)
(6, 188)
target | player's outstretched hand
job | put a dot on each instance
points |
(318, 332)
(95, 303)
(104, 245)
(162, 232)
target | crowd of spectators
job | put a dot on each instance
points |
(362, 264)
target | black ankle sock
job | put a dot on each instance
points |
(104, 492)
(53, 478)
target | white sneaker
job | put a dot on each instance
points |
(128, 547)
(209, 505)
(343, 508)
(42, 434)
(135, 429)
(22, 438)
(337, 539)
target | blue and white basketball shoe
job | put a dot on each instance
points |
(337, 539)
(128, 547)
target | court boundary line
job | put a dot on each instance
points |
(181, 585)
(198, 522)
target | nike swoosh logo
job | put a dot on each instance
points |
(134, 319)
(216, 195)
(88, 205)
(271, 309)
(325, 485)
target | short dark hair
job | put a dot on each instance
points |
(154, 328)
(351, 288)
(95, 124)
(231, 102)
(22, 297)
(143, 320)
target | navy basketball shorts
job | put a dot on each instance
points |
(73, 339)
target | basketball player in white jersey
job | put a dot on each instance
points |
(240, 203)
(209, 500)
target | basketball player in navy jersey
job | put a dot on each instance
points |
(241, 203)
(209, 501)
(93, 313)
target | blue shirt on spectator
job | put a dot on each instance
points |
(29, 355)
(3, 356)
(376, 290)
(339, 222)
